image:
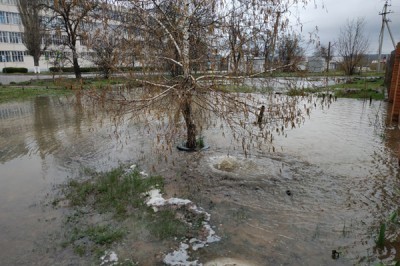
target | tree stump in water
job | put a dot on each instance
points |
(260, 115)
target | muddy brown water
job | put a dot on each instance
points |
(328, 185)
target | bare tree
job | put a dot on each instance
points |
(72, 19)
(352, 44)
(169, 32)
(290, 53)
(268, 19)
(108, 41)
(324, 52)
(237, 35)
(34, 34)
(56, 58)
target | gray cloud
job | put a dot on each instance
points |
(336, 12)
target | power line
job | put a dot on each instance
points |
(385, 21)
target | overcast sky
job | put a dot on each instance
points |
(335, 13)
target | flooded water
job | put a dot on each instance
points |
(327, 187)
(283, 84)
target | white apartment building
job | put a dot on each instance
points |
(13, 51)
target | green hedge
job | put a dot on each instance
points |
(15, 70)
(92, 69)
(71, 69)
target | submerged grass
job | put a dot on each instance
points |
(380, 241)
(94, 238)
(357, 87)
(20, 93)
(115, 191)
(58, 86)
(169, 227)
(106, 207)
(361, 87)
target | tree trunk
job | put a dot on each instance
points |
(187, 84)
(36, 64)
(190, 125)
(266, 57)
(271, 51)
(77, 69)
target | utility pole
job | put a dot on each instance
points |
(329, 57)
(385, 21)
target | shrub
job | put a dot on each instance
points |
(94, 69)
(15, 70)
(71, 69)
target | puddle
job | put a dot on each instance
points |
(327, 187)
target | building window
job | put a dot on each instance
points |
(15, 37)
(4, 36)
(17, 56)
(9, 18)
(2, 17)
(55, 39)
(8, 2)
(5, 56)
(11, 56)
(10, 37)
(14, 18)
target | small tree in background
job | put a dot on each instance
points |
(290, 53)
(238, 35)
(34, 34)
(72, 19)
(108, 42)
(352, 44)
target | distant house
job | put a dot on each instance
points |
(249, 64)
(334, 63)
(316, 64)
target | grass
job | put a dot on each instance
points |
(93, 239)
(368, 86)
(99, 234)
(59, 86)
(65, 82)
(169, 227)
(357, 88)
(371, 88)
(331, 73)
(200, 142)
(8, 94)
(380, 241)
(391, 264)
(236, 88)
(361, 94)
(115, 191)
(118, 198)
(392, 221)
(303, 91)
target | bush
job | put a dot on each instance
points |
(15, 70)
(71, 69)
(95, 69)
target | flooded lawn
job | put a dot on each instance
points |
(319, 199)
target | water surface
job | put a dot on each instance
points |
(327, 187)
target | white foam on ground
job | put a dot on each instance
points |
(181, 256)
(109, 258)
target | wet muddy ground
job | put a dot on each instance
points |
(327, 187)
